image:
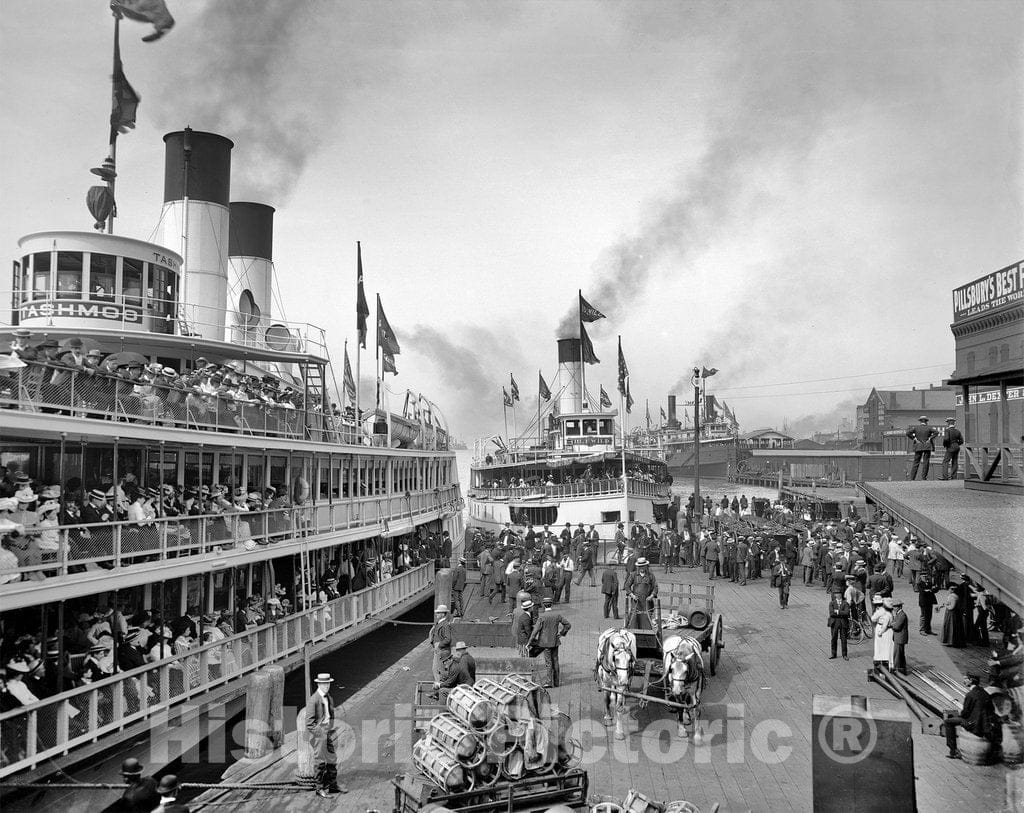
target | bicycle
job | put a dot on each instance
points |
(860, 629)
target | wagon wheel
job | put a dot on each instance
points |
(717, 643)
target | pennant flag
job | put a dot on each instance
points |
(385, 335)
(648, 414)
(362, 309)
(664, 417)
(388, 363)
(606, 402)
(623, 371)
(542, 389)
(515, 388)
(706, 373)
(350, 382)
(125, 99)
(588, 313)
(506, 397)
(146, 11)
(629, 398)
(587, 347)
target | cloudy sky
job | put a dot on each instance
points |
(785, 191)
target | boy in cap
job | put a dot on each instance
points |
(320, 724)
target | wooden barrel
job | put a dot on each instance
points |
(471, 707)
(974, 750)
(456, 739)
(439, 767)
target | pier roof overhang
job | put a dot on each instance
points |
(978, 531)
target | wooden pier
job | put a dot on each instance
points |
(756, 753)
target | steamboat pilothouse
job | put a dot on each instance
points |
(574, 470)
(182, 502)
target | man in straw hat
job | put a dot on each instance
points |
(320, 724)
(440, 639)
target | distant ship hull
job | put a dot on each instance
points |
(715, 458)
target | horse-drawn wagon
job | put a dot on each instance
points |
(662, 661)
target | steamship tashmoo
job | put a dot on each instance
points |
(179, 492)
(570, 469)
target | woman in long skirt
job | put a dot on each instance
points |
(882, 619)
(952, 624)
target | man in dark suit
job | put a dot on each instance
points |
(547, 633)
(462, 652)
(458, 585)
(922, 437)
(320, 725)
(977, 716)
(952, 440)
(141, 795)
(900, 636)
(610, 588)
(839, 622)
(926, 601)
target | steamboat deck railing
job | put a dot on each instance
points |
(56, 725)
(95, 393)
(115, 545)
(586, 488)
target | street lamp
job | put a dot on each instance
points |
(700, 375)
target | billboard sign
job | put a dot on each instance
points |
(1003, 287)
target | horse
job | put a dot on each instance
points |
(684, 679)
(616, 654)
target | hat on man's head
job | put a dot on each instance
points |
(440, 608)
(547, 601)
(950, 420)
(323, 677)
(527, 604)
(168, 785)
(461, 646)
(97, 494)
(50, 492)
(641, 562)
(131, 767)
(876, 599)
(923, 419)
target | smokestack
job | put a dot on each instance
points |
(569, 376)
(195, 220)
(672, 422)
(250, 269)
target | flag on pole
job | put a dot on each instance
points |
(362, 309)
(648, 414)
(629, 398)
(588, 313)
(385, 335)
(146, 11)
(542, 389)
(388, 363)
(664, 417)
(606, 402)
(506, 397)
(350, 381)
(623, 371)
(515, 388)
(587, 347)
(125, 99)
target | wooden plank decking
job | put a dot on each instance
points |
(757, 711)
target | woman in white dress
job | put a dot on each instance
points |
(882, 619)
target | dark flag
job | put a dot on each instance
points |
(664, 417)
(588, 313)
(623, 371)
(606, 402)
(706, 373)
(587, 348)
(385, 335)
(362, 309)
(506, 397)
(388, 364)
(542, 388)
(125, 99)
(648, 414)
(515, 388)
(629, 398)
(146, 11)
(350, 382)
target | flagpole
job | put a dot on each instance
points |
(113, 130)
(625, 479)
(359, 344)
(583, 366)
(504, 409)
(378, 369)
(540, 443)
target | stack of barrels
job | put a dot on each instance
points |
(495, 730)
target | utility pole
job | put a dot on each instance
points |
(698, 506)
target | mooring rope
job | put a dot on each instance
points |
(122, 786)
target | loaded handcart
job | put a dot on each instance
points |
(662, 652)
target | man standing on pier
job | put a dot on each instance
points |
(440, 639)
(610, 589)
(320, 724)
(922, 436)
(458, 585)
(551, 627)
(926, 601)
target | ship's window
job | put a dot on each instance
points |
(572, 428)
(69, 275)
(254, 473)
(160, 294)
(590, 427)
(610, 516)
(131, 281)
(41, 275)
(279, 473)
(606, 426)
(102, 276)
(25, 283)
